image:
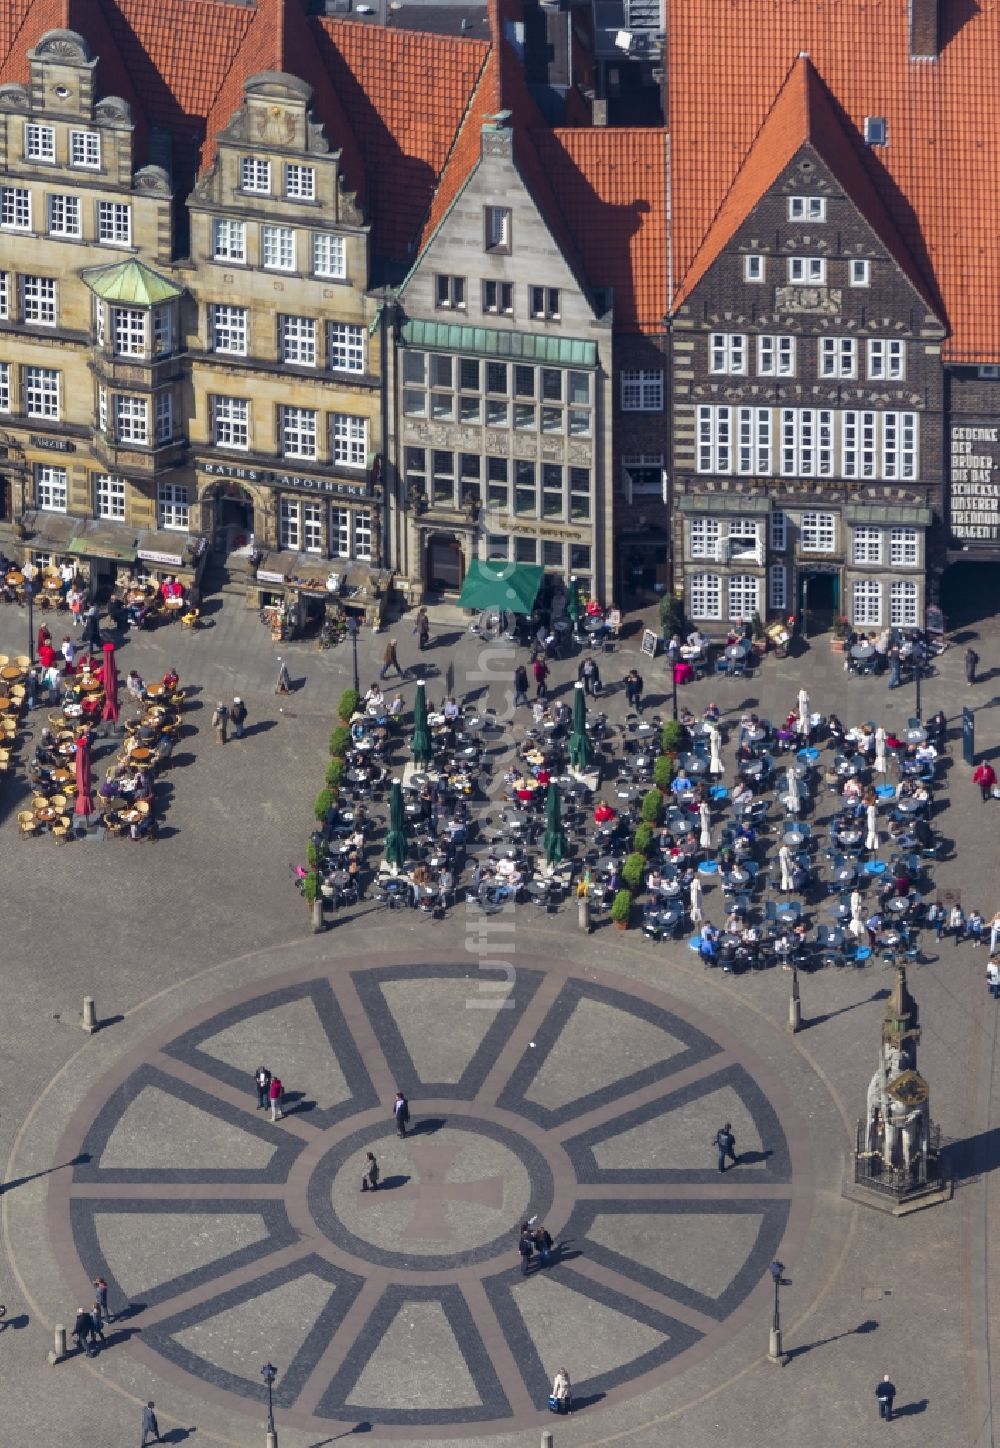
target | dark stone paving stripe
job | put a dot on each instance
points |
(612, 1110)
(366, 1040)
(179, 1191)
(339, 1344)
(266, 1263)
(499, 1349)
(714, 1188)
(291, 1124)
(598, 1271)
(517, 1043)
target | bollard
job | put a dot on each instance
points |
(794, 1014)
(583, 914)
(774, 1353)
(317, 915)
(58, 1350)
(89, 1021)
(270, 1440)
(546, 1440)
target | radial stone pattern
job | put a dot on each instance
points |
(586, 1104)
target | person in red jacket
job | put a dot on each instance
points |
(985, 776)
(540, 670)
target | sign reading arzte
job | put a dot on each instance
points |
(975, 483)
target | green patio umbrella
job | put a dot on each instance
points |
(421, 742)
(579, 744)
(573, 609)
(395, 840)
(555, 835)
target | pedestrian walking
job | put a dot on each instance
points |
(91, 635)
(725, 1143)
(390, 660)
(262, 1080)
(994, 925)
(559, 1396)
(993, 978)
(543, 1245)
(101, 1298)
(936, 917)
(895, 664)
(149, 1425)
(520, 686)
(873, 925)
(971, 664)
(540, 669)
(956, 922)
(284, 684)
(633, 690)
(526, 1248)
(98, 1321)
(422, 629)
(238, 715)
(985, 776)
(220, 722)
(885, 1392)
(369, 1182)
(275, 1092)
(589, 675)
(401, 1113)
(83, 1332)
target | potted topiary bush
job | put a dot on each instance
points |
(348, 706)
(315, 854)
(671, 615)
(663, 773)
(340, 741)
(634, 872)
(310, 887)
(323, 804)
(643, 841)
(621, 909)
(334, 773)
(672, 739)
(652, 807)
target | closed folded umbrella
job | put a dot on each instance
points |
(794, 799)
(785, 861)
(715, 765)
(573, 609)
(697, 914)
(84, 799)
(871, 838)
(395, 840)
(579, 744)
(421, 743)
(555, 836)
(110, 710)
(880, 750)
(857, 925)
(706, 829)
(803, 712)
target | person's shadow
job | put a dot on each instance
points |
(178, 1435)
(908, 1410)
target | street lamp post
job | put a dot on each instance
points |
(774, 1352)
(673, 690)
(794, 1006)
(353, 628)
(29, 596)
(269, 1372)
(918, 669)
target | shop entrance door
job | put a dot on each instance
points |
(819, 601)
(445, 570)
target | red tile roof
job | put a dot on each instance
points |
(802, 115)
(465, 151)
(22, 22)
(727, 63)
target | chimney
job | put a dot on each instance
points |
(924, 29)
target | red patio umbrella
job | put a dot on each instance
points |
(110, 680)
(84, 799)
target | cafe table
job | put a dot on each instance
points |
(46, 814)
(793, 837)
(908, 805)
(15, 578)
(11, 672)
(141, 755)
(156, 691)
(915, 736)
(861, 652)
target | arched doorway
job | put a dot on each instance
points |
(445, 563)
(970, 591)
(233, 517)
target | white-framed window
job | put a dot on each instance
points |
(163, 330)
(743, 539)
(312, 526)
(818, 532)
(715, 439)
(858, 444)
(776, 356)
(128, 328)
(777, 587)
(301, 525)
(50, 488)
(641, 391)
(255, 175)
(904, 547)
(867, 546)
(363, 534)
(163, 414)
(989, 371)
(114, 223)
(349, 440)
(39, 142)
(4, 387)
(899, 445)
(838, 357)
(859, 273)
(753, 268)
(131, 416)
(903, 599)
(102, 408)
(543, 303)
(41, 392)
(231, 422)
(497, 228)
(727, 352)
(778, 531)
(15, 208)
(643, 476)
(449, 292)
(4, 295)
(85, 149)
(38, 301)
(297, 340)
(109, 497)
(807, 270)
(298, 432)
(753, 440)
(229, 240)
(300, 182)
(706, 596)
(229, 328)
(346, 345)
(704, 535)
(866, 603)
(65, 216)
(743, 590)
(807, 208)
(498, 298)
(329, 255)
(340, 530)
(806, 442)
(886, 359)
(172, 507)
(277, 248)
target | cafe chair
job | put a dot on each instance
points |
(26, 823)
(60, 829)
(22, 661)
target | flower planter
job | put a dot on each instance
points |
(838, 646)
(620, 924)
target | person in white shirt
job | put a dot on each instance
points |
(993, 979)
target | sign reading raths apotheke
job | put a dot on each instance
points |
(975, 482)
(301, 484)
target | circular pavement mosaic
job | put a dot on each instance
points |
(226, 1238)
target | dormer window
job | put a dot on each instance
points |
(807, 269)
(807, 208)
(497, 227)
(85, 149)
(876, 131)
(300, 183)
(255, 175)
(39, 142)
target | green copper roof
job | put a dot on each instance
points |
(485, 342)
(131, 282)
